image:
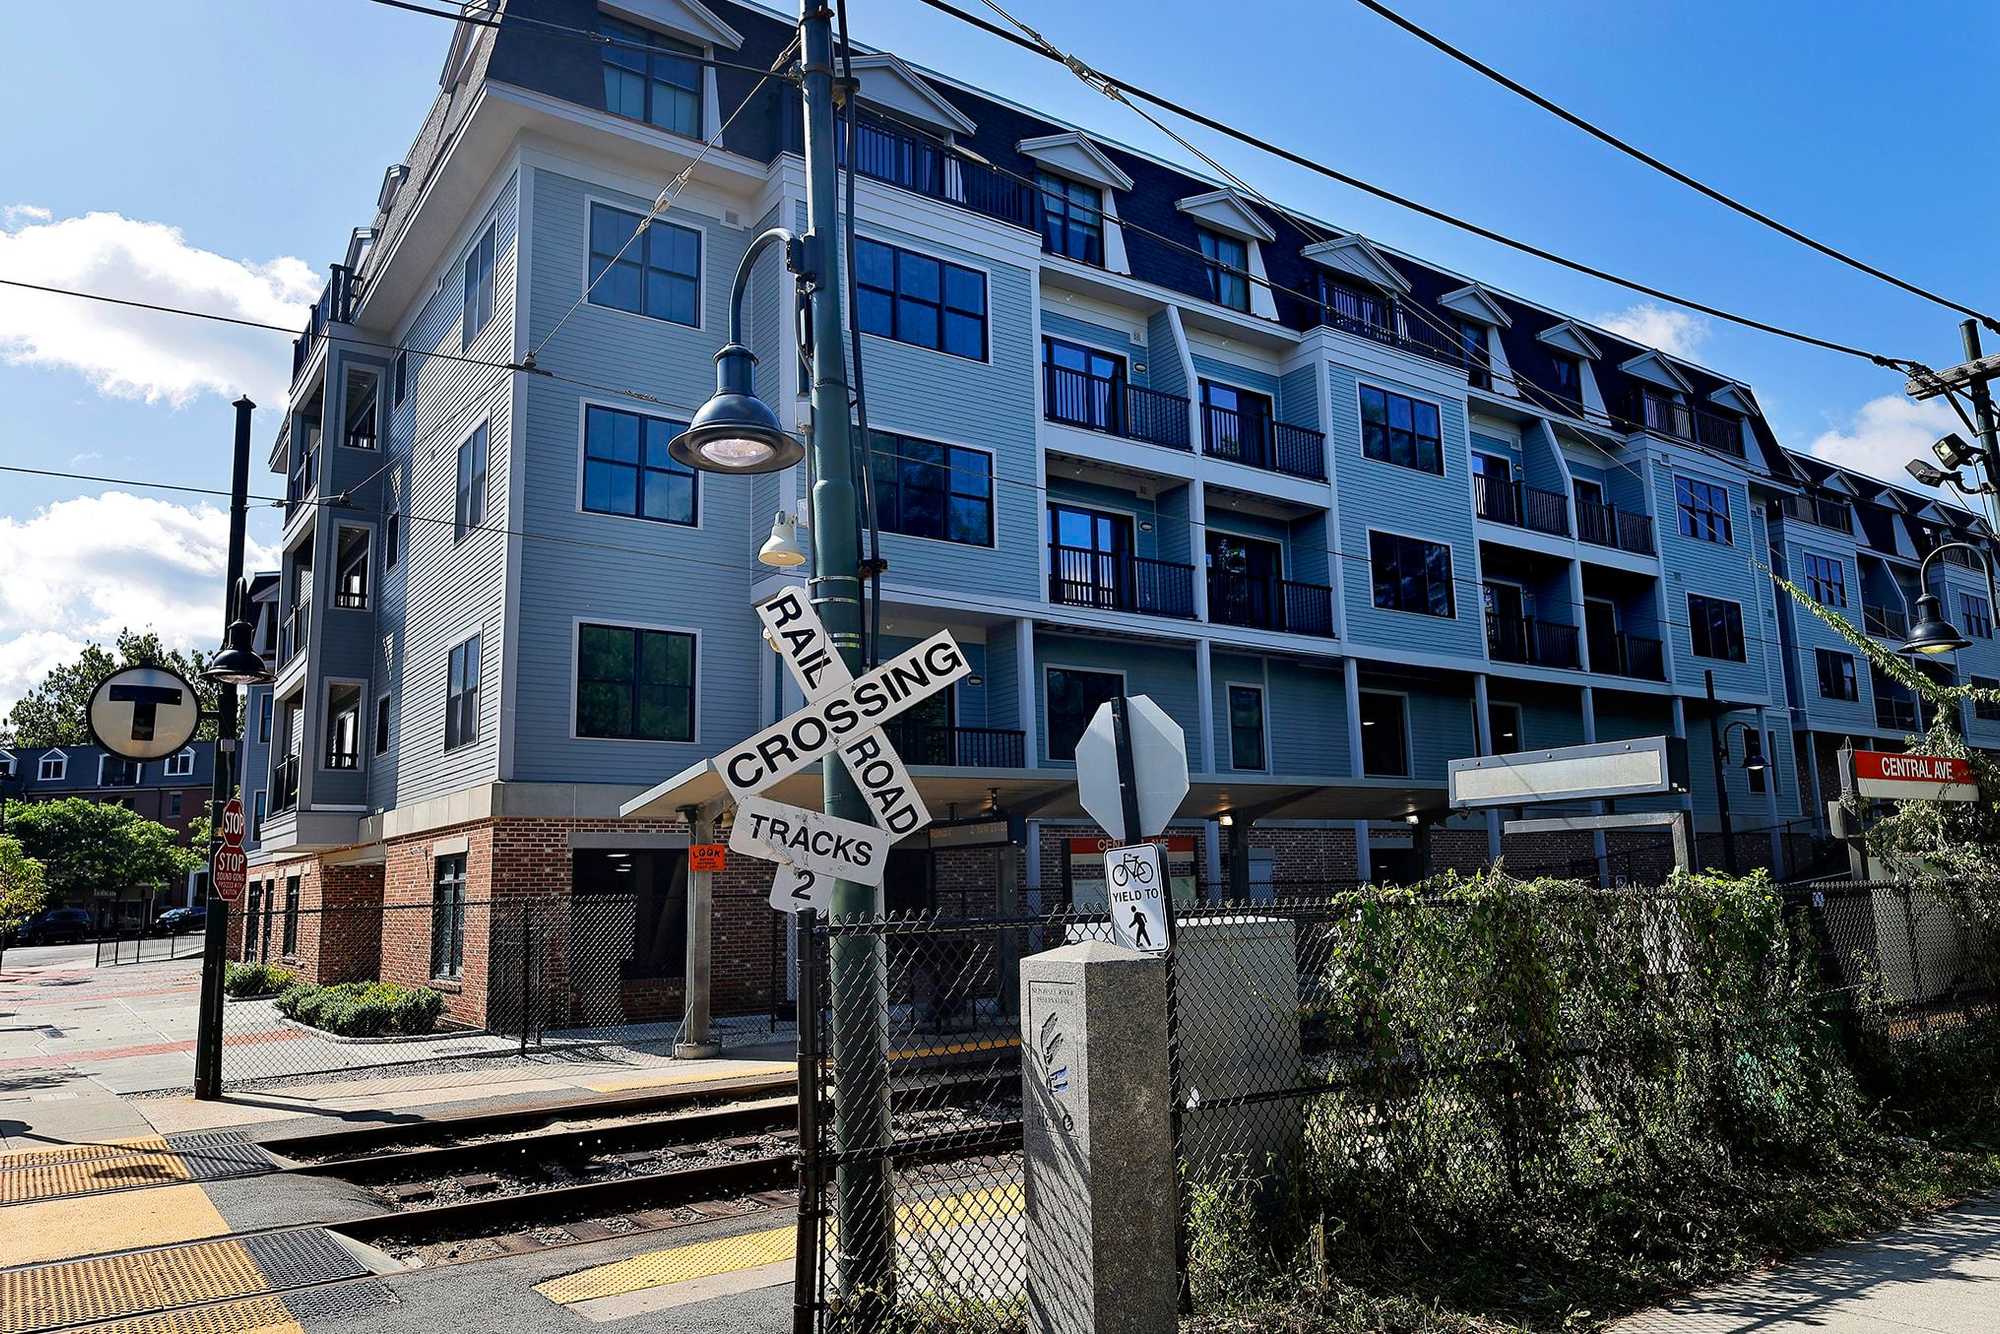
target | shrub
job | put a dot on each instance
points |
(257, 979)
(363, 1009)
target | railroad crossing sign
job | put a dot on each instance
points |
(1159, 768)
(143, 713)
(843, 717)
(227, 866)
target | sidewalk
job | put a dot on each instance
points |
(1940, 1274)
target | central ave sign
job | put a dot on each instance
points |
(843, 718)
(1901, 776)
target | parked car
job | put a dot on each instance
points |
(56, 926)
(180, 921)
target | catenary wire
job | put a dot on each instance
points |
(1641, 155)
(488, 20)
(1102, 81)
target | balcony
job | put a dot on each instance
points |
(1820, 511)
(1531, 641)
(913, 162)
(335, 306)
(1270, 604)
(1114, 407)
(1885, 622)
(1259, 442)
(1637, 656)
(285, 785)
(1609, 526)
(294, 632)
(343, 758)
(964, 747)
(1521, 506)
(1109, 581)
(1372, 318)
(304, 476)
(1641, 408)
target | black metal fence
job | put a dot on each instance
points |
(1381, 1050)
(134, 945)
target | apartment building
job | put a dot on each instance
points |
(1344, 514)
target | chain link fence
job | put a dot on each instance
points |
(1356, 1059)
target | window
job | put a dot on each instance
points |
(174, 805)
(1227, 269)
(448, 917)
(943, 492)
(1072, 218)
(181, 765)
(392, 522)
(259, 804)
(655, 273)
(1246, 728)
(1082, 386)
(115, 772)
(1564, 378)
(1411, 574)
(7, 765)
(289, 942)
(1715, 628)
(469, 510)
(382, 725)
(1754, 768)
(1400, 430)
(659, 84)
(1472, 346)
(1986, 710)
(1385, 742)
(1978, 615)
(1704, 510)
(1236, 424)
(1503, 725)
(626, 469)
(1836, 675)
(53, 768)
(1826, 579)
(634, 685)
(264, 719)
(1073, 696)
(402, 379)
(350, 570)
(343, 726)
(461, 697)
(478, 308)
(918, 300)
(362, 409)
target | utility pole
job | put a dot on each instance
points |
(1716, 753)
(222, 782)
(859, 984)
(1982, 405)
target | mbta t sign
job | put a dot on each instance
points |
(228, 866)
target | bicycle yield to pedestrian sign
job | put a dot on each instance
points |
(1135, 883)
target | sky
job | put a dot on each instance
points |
(216, 154)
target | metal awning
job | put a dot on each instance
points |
(1050, 794)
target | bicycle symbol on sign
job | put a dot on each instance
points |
(1132, 868)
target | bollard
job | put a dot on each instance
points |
(1098, 1155)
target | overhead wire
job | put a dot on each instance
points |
(485, 18)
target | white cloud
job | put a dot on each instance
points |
(83, 569)
(1886, 433)
(1674, 332)
(141, 354)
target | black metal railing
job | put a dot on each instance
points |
(1820, 511)
(299, 482)
(1643, 409)
(1620, 654)
(343, 759)
(967, 747)
(910, 162)
(1885, 622)
(1259, 442)
(1380, 321)
(1609, 526)
(1081, 577)
(351, 599)
(1531, 640)
(1961, 557)
(1114, 407)
(285, 784)
(335, 306)
(295, 632)
(1270, 604)
(1520, 505)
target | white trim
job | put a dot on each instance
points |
(171, 768)
(1094, 169)
(1654, 367)
(687, 18)
(699, 227)
(1353, 256)
(1047, 728)
(925, 104)
(694, 694)
(450, 645)
(1227, 211)
(984, 271)
(474, 527)
(9, 763)
(327, 684)
(1451, 578)
(1263, 717)
(587, 400)
(349, 362)
(1737, 398)
(371, 586)
(1409, 736)
(1361, 428)
(1475, 303)
(138, 770)
(1568, 336)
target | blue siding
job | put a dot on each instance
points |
(1714, 570)
(1164, 371)
(1165, 674)
(1060, 324)
(1242, 377)
(1298, 396)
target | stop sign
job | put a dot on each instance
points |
(227, 865)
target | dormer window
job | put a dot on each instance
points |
(7, 765)
(181, 765)
(1354, 308)
(1072, 218)
(1227, 269)
(652, 77)
(1563, 378)
(53, 769)
(1472, 346)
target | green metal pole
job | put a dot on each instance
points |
(859, 983)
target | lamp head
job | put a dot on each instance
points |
(1933, 634)
(237, 664)
(781, 550)
(735, 431)
(1927, 475)
(1953, 451)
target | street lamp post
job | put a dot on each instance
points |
(1933, 633)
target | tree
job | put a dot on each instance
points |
(88, 848)
(56, 712)
(23, 886)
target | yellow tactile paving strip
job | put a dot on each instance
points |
(93, 1224)
(81, 1168)
(748, 1250)
(120, 1285)
(250, 1315)
(11, 1159)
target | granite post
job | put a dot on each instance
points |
(1098, 1153)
